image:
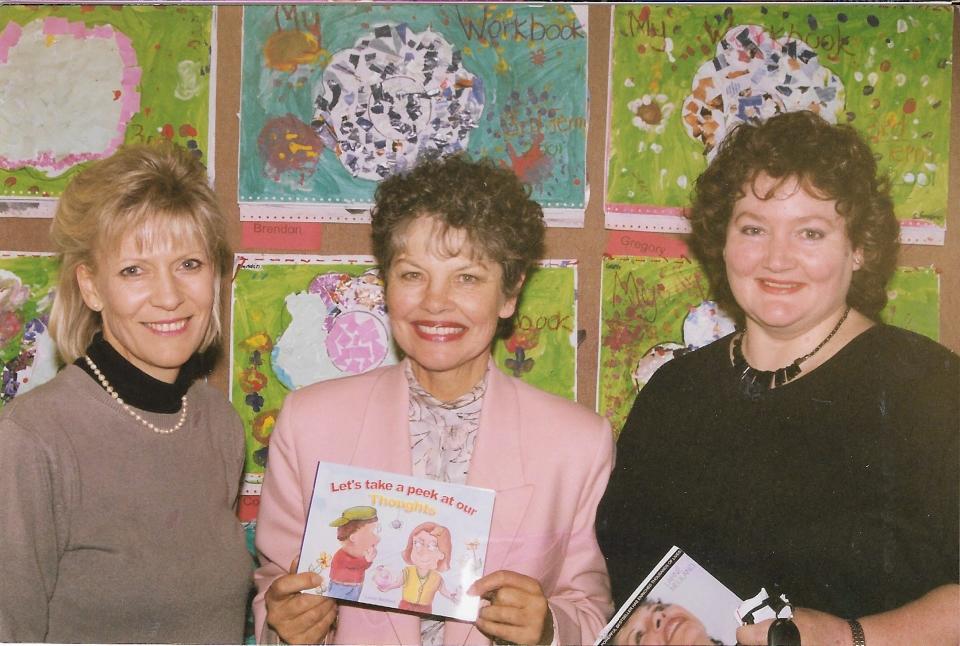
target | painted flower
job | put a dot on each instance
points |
(259, 342)
(263, 425)
(252, 380)
(522, 339)
(651, 113)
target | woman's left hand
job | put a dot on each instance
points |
(815, 628)
(518, 612)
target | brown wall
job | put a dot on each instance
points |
(585, 244)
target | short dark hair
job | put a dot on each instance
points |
(487, 202)
(831, 162)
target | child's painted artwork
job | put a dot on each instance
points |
(79, 81)
(913, 301)
(337, 97)
(656, 307)
(650, 309)
(28, 355)
(682, 76)
(298, 320)
(397, 541)
(542, 347)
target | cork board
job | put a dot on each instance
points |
(585, 245)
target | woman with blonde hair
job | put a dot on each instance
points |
(120, 475)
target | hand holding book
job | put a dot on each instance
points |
(299, 618)
(517, 610)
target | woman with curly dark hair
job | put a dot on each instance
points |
(815, 448)
(454, 239)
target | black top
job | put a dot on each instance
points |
(135, 387)
(841, 486)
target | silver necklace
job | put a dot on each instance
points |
(113, 393)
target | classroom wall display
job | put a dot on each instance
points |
(336, 97)
(28, 355)
(297, 320)
(656, 306)
(650, 308)
(682, 76)
(300, 319)
(913, 300)
(79, 81)
(542, 346)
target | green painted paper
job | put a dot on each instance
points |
(894, 61)
(542, 349)
(913, 301)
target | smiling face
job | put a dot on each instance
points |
(788, 258)
(444, 308)
(662, 623)
(155, 302)
(426, 553)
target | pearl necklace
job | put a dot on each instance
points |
(113, 393)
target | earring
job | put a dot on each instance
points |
(96, 307)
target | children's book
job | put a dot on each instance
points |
(679, 602)
(396, 540)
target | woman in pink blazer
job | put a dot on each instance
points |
(455, 239)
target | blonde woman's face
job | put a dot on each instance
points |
(155, 302)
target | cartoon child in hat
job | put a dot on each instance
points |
(358, 530)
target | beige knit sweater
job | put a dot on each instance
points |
(110, 532)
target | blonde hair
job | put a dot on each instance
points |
(153, 192)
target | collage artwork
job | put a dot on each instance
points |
(682, 76)
(337, 97)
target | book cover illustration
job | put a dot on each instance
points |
(397, 541)
(679, 602)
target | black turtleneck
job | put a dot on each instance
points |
(135, 387)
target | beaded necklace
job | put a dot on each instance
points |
(113, 393)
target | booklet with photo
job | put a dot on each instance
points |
(678, 603)
(397, 541)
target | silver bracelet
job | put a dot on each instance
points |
(857, 630)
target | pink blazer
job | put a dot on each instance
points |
(547, 458)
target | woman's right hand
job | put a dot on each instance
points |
(296, 617)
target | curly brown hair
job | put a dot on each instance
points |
(831, 162)
(488, 203)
